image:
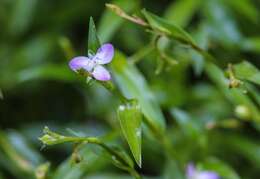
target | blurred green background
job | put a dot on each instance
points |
(207, 123)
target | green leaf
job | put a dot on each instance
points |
(130, 118)
(134, 86)
(110, 22)
(93, 41)
(247, 71)
(162, 26)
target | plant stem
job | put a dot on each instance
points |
(94, 140)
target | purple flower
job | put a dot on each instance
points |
(94, 64)
(193, 173)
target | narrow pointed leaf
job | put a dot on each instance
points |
(130, 118)
(169, 29)
(134, 86)
(93, 41)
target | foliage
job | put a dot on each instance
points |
(185, 88)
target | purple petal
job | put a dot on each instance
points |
(100, 73)
(81, 62)
(207, 175)
(190, 170)
(104, 54)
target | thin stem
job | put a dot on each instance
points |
(116, 9)
(94, 140)
(115, 91)
(52, 138)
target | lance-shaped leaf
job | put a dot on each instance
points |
(134, 86)
(130, 118)
(169, 29)
(93, 41)
(247, 71)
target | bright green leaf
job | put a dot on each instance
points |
(134, 86)
(130, 117)
(161, 25)
(93, 41)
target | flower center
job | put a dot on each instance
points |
(91, 65)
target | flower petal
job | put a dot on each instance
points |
(190, 170)
(207, 175)
(81, 62)
(101, 74)
(104, 54)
